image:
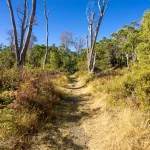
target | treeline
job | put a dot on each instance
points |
(128, 45)
(60, 59)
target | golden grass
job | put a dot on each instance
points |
(115, 128)
(125, 130)
(29, 106)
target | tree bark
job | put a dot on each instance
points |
(23, 25)
(14, 30)
(21, 51)
(27, 40)
(127, 57)
(94, 33)
(46, 58)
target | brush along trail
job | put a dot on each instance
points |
(76, 127)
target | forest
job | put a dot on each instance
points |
(85, 94)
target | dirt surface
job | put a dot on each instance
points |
(76, 127)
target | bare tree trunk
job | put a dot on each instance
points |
(21, 52)
(91, 61)
(14, 30)
(27, 40)
(46, 58)
(94, 33)
(88, 56)
(23, 25)
(127, 57)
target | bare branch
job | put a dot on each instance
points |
(78, 43)
(87, 15)
(106, 6)
(18, 15)
(46, 13)
(104, 1)
(99, 5)
(35, 22)
(66, 39)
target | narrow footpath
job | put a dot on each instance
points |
(77, 126)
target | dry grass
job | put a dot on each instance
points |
(125, 130)
(28, 103)
(115, 128)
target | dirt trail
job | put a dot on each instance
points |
(73, 130)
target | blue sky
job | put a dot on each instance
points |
(69, 15)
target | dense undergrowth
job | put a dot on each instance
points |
(28, 99)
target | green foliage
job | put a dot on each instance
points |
(143, 50)
(36, 55)
(59, 58)
(69, 64)
(6, 97)
(102, 50)
(145, 28)
(7, 58)
(9, 79)
(132, 90)
(55, 60)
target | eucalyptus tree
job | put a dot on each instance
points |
(66, 39)
(94, 20)
(46, 58)
(10, 38)
(78, 43)
(27, 23)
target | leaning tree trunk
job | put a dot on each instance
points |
(14, 30)
(94, 32)
(46, 58)
(91, 61)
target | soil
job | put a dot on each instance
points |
(77, 126)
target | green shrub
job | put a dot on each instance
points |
(132, 89)
(7, 59)
(10, 79)
(6, 97)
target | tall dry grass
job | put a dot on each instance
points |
(118, 126)
(29, 99)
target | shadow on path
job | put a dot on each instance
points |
(61, 133)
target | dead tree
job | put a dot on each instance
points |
(46, 58)
(66, 39)
(26, 23)
(94, 26)
(78, 43)
(33, 39)
(10, 38)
